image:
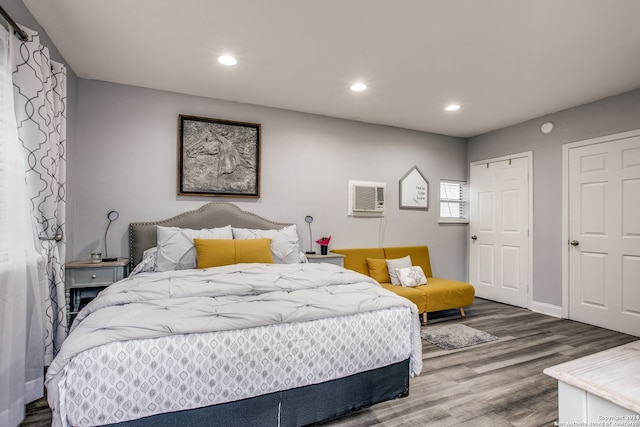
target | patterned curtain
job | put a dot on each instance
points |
(40, 103)
(21, 329)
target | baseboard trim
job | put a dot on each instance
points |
(545, 308)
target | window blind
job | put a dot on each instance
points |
(453, 200)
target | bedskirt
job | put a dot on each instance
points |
(295, 407)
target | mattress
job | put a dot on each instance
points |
(133, 379)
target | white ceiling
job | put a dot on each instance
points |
(503, 61)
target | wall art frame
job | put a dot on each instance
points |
(218, 157)
(414, 190)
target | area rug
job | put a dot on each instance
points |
(451, 337)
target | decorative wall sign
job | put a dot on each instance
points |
(218, 157)
(414, 190)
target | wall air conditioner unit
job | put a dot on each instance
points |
(367, 198)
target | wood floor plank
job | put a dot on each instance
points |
(495, 384)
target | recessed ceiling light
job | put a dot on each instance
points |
(357, 87)
(227, 60)
(452, 107)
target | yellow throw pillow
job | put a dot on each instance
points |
(218, 252)
(254, 250)
(378, 270)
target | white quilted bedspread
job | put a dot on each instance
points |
(155, 305)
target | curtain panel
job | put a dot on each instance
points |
(21, 326)
(40, 106)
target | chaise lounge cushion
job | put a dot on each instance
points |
(445, 294)
(415, 295)
(438, 294)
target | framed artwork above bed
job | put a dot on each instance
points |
(218, 157)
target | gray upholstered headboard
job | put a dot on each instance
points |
(142, 235)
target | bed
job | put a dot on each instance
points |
(237, 330)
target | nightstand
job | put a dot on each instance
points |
(84, 279)
(331, 258)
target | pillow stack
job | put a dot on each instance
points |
(285, 248)
(176, 250)
(183, 248)
(397, 271)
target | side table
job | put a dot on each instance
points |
(331, 258)
(85, 279)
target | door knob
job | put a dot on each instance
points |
(574, 243)
(474, 237)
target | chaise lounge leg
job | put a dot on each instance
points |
(462, 311)
(424, 318)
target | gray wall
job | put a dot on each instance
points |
(122, 144)
(608, 116)
(125, 158)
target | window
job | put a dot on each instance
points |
(454, 201)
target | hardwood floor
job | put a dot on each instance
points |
(499, 383)
(496, 384)
(38, 414)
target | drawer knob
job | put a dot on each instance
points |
(93, 276)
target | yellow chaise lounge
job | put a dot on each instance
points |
(438, 294)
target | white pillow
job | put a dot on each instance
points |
(148, 262)
(411, 276)
(176, 250)
(284, 242)
(393, 264)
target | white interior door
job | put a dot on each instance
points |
(604, 234)
(499, 222)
